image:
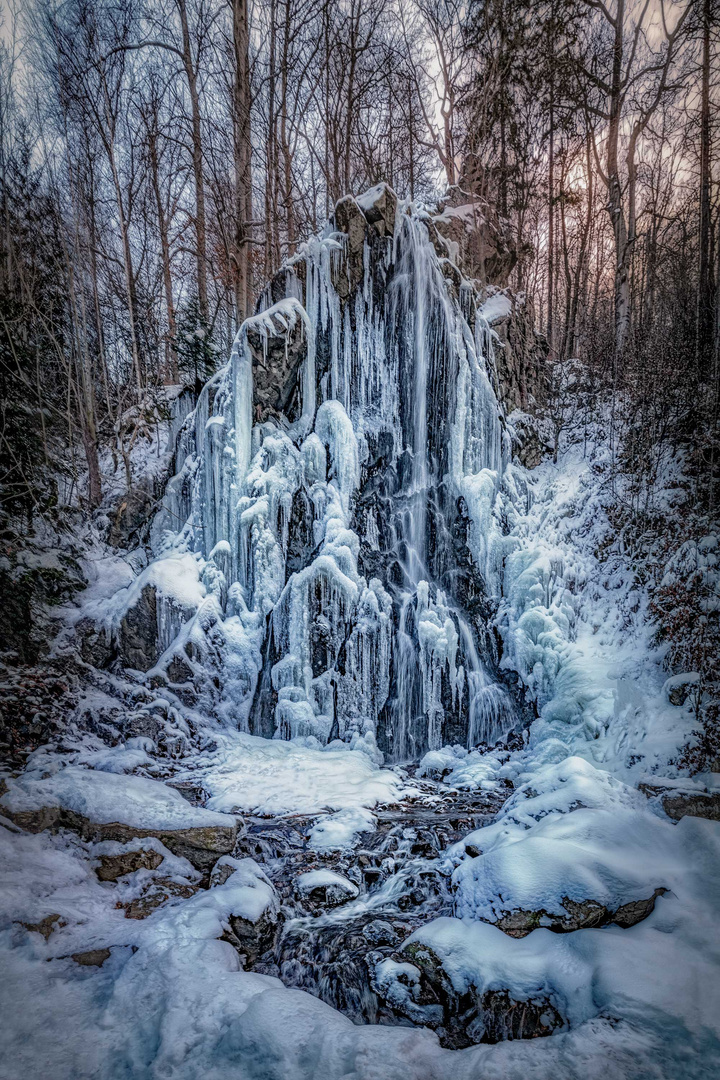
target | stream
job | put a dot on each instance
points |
(402, 881)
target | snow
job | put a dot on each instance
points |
(261, 776)
(496, 308)
(341, 830)
(610, 857)
(104, 797)
(253, 896)
(654, 969)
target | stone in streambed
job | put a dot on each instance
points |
(324, 888)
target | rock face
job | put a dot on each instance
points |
(138, 637)
(276, 360)
(522, 362)
(476, 238)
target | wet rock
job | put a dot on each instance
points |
(502, 1018)
(474, 1016)
(113, 867)
(324, 888)
(91, 958)
(380, 932)
(402, 987)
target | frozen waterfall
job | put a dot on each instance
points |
(336, 486)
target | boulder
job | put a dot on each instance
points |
(415, 984)
(702, 804)
(255, 918)
(580, 869)
(324, 888)
(579, 915)
(113, 867)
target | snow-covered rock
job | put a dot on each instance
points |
(111, 806)
(325, 888)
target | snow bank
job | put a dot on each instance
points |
(274, 777)
(104, 797)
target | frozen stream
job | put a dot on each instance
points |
(401, 878)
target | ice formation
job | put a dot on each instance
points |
(344, 548)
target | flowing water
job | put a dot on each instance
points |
(402, 879)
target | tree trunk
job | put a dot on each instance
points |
(551, 192)
(242, 152)
(615, 195)
(197, 160)
(703, 342)
(165, 257)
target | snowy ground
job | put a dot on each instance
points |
(170, 1000)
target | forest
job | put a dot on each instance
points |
(359, 542)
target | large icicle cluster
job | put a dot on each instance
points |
(336, 488)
